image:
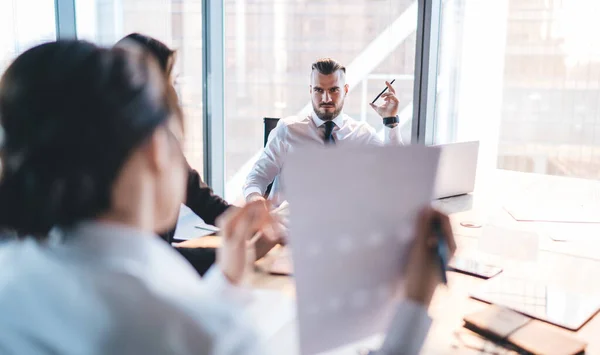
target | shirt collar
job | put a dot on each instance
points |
(338, 120)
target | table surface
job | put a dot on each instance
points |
(573, 263)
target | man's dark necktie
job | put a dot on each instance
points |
(329, 132)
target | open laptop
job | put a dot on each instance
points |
(456, 169)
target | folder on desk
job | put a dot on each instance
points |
(523, 334)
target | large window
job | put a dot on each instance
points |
(22, 28)
(523, 76)
(270, 45)
(178, 23)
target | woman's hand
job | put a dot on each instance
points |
(423, 269)
(238, 226)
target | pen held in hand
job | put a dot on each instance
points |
(382, 91)
(441, 249)
(254, 238)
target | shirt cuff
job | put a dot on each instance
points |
(251, 189)
(217, 283)
(392, 135)
(407, 331)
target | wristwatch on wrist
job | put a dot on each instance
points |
(391, 122)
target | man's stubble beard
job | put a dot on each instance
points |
(328, 116)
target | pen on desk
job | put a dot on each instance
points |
(206, 229)
(382, 91)
(441, 249)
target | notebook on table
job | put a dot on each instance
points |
(549, 303)
(523, 334)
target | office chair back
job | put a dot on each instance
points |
(269, 124)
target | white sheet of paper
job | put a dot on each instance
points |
(556, 199)
(352, 215)
(570, 232)
(190, 226)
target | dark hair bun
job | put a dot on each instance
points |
(72, 113)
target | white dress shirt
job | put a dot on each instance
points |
(109, 289)
(294, 131)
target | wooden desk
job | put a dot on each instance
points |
(575, 265)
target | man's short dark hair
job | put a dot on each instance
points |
(327, 66)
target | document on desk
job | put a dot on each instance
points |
(352, 215)
(190, 226)
(557, 199)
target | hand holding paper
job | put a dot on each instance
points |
(423, 270)
(352, 228)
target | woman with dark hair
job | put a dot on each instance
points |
(92, 150)
(199, 196)
(163, 54)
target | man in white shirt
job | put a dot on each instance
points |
(326, 124)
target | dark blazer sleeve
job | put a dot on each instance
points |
(201, 199)
(208, 206)
(200, 258)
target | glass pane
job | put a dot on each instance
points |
(271, 44)
(523, 76)
(177, 23)
(22, 28)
